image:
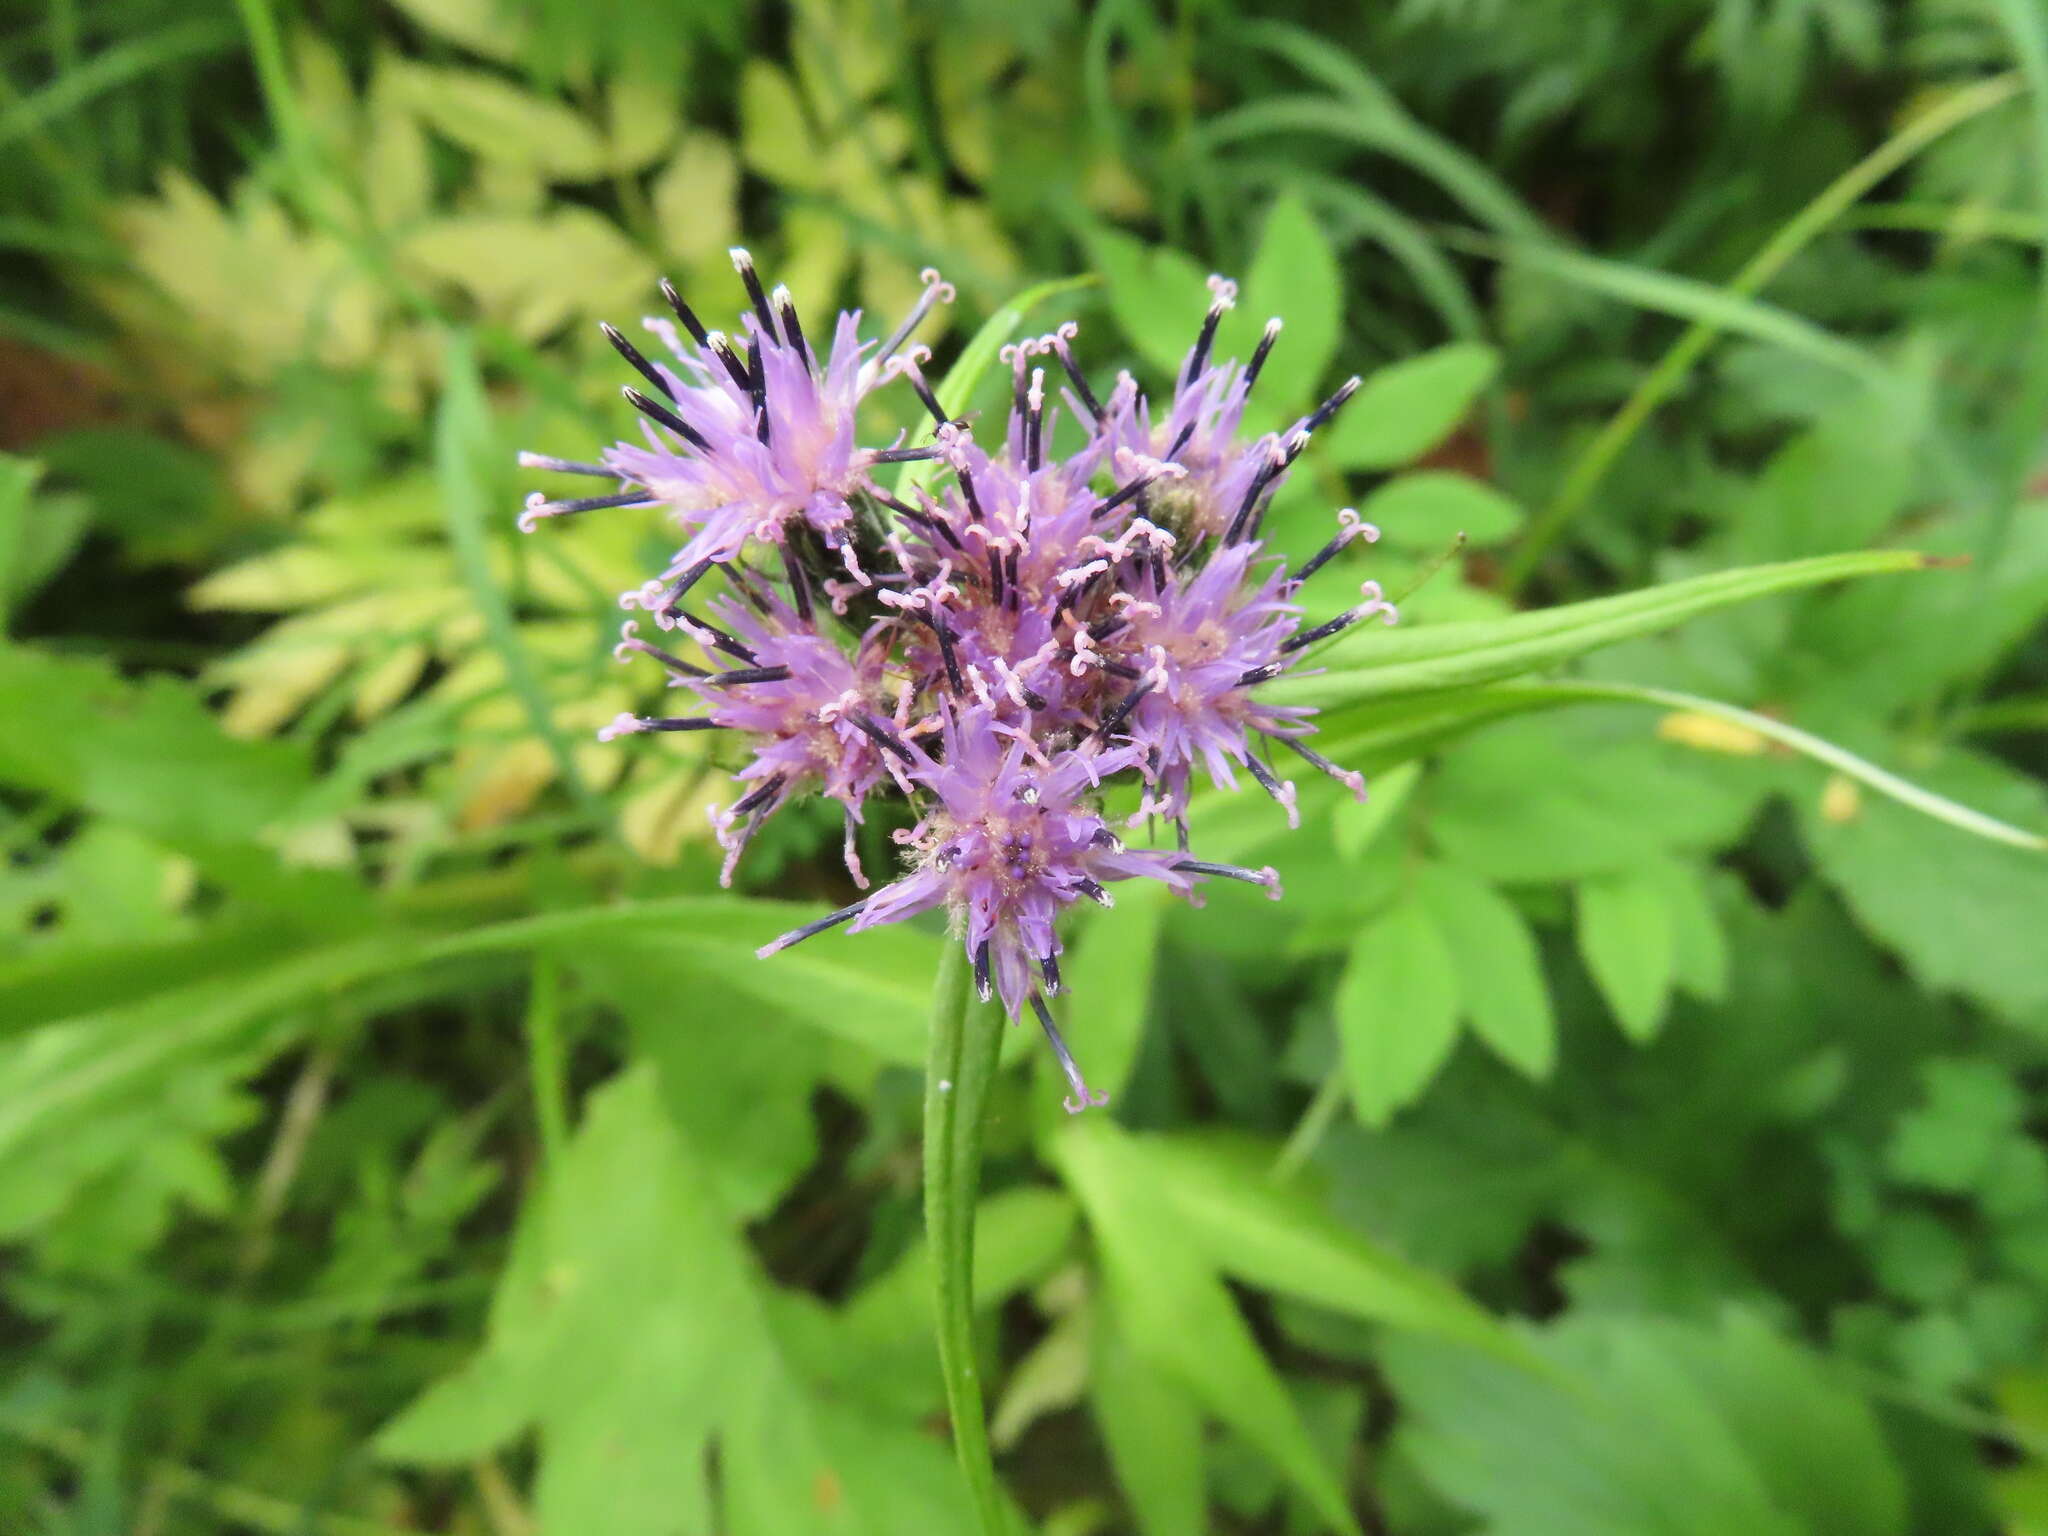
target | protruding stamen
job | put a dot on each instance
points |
(1350, 778)
(538, 507)
(1065, 353)
(743, 264)
(1256, 675)
(936, 291)
(902, 455)
(565, 466)
(982, 988)
(1034, 423)
(1374, 603)
(1094, 892)
(720, 640)
(799, 582)
(655, 411)
(809, 930)
(969, 494)
(1049, 967)
(924, 393)
(631, 725)
(1282, 793)
(881, 735)
(946, 652)
(1349, 527)
(757, 386)
(629, 641)
(1082, 1097)
(1260, 354)
(792, 328)
(1331, 406)
(686, 315)
(1122, 712)
(1268, 878)
(1277, 460)
(721, 347)
(1124, 493)
(1198, 356)
(672, 600)
(739, 677)
(924, 520)
(633, 355)
(759, 795)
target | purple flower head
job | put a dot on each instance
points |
(989, 647)
(749, 441)
(793, 696)
(1011, 836)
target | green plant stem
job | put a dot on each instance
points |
(1599, 456)
(965, 1040)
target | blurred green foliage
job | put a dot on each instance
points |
(1626, 1125)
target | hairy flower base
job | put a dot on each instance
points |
(990, 651)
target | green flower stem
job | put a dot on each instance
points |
(966, 1039)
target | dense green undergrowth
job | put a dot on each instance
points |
(1632, 1120)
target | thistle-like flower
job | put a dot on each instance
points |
(992, 648)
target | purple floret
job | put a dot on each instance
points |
(990, 649)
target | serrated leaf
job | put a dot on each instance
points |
(1980, 938)
(496, 120)
(1649, 1425)
(695, 200)
(1397, 1010)
(203, 792)
(1699, 947)
(1501, 986)
(634, 1329)
(1407, 408)
(1626, 936)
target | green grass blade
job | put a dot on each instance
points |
(1369, 662)
(1685, 298)
(109, 71)
(1598, 457)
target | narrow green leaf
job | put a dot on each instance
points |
(1687, 298)
(1626, 935)
(1397, 1010)
(1500, 975)
(1372, 662)
(1407, 408)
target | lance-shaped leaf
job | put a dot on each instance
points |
(1369, 662)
